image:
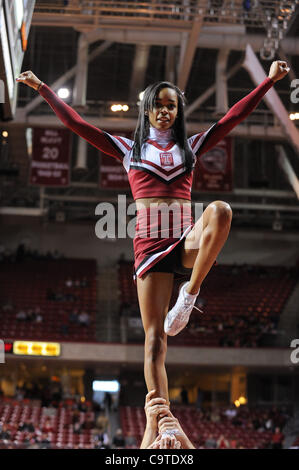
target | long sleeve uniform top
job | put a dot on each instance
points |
(160, 172)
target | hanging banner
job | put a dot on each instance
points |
(50, 163)
(213, 171)
(112, 173)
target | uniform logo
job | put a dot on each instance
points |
(166, 159)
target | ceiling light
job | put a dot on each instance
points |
(63, 93)
(119, 107)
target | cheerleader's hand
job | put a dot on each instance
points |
(278, 70)
(28, 78)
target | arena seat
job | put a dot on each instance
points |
(26, 284)
(13, 413)
(199, 427)
(241, 304)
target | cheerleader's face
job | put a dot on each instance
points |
(165, 111)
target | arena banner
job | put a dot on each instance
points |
(50, 163)
(213, 171)
(112, 173)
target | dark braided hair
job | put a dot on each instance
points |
(178, 129)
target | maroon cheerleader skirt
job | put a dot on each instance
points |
(158, 231)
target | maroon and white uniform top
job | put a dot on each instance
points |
(161, 172)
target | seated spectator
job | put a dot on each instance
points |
(77, 428)
(233, 443)
(21, 316)
(38, 318)
(74, 316)
(48, 427)
(83, 319)
(222, 443)
(76, 416)
(31, 315)
(82, 406)
(102, 422)
(27, 426)
(211, 442)
(5, 434)
(88, 424)
(277, 439)
(119, 440)
(69, 282)
(230, 412)
(101, 440)
(43, 441)
(29, 438)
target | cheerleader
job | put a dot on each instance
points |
(160, 163)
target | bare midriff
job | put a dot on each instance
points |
(153, 201)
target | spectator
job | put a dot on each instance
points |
(5, 434)
(21, 316)
(222, 443)
(27, 426)
(77, 428)
(48, 427)
(277, 439)
(211, 442)
(74, 317)
(83, 319)
(76, 416)
(69, 282)
(233, 443)
(268, 424)
(119, 440)
(102, 422)
(43, 441)
(38, 318)
(101, 440)
(29, 438)
(230, 412)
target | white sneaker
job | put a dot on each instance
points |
(178, 317)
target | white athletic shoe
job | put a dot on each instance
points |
(178, 317)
